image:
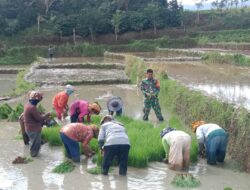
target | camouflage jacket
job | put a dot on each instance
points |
(150, 86)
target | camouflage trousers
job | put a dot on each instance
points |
(154, 103)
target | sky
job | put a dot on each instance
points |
(190, 4)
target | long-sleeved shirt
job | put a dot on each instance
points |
(113, 133)
(170, 137)
(82, 105)
(203, 131)
(60, 100)
(151, 86)
(33, 120)
(78, 132)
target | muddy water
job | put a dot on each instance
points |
(7, 83)
(38, 174)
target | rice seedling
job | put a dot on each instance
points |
(185, 180)
(65, 167)
(13, 116)
(228, 188)
(18, 137)
(5, 110)
(52, 135)
(19, 109)
(96, 170)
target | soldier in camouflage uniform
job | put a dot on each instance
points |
(150, 88)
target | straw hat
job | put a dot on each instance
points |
(196, 124)
(114, 104)
(35, 95)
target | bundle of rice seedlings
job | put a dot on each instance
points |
(96, 170)
(65, 167)
(5, 110)
(185, 180)
(22, 160)
(13, 116)
(228, 188)
(19, 109)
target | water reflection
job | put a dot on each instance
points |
(236, 94)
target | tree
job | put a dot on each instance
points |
(137, 20)
(175, 12)
(198, 5)
(92, 19)
(116, 22)
(153, 12)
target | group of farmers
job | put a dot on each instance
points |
(112, 136)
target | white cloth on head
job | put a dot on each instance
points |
(203, 131)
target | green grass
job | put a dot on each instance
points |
(64, 167)
(22, 85)
(236, 59)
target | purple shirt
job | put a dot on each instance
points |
(82, 105)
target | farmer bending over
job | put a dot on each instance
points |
(73, 133)
(214, 138)
(113, 141)
(177, 146)
(80, 108)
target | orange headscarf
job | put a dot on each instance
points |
(196, 124)
(95, 107)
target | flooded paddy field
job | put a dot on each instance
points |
(38, 173)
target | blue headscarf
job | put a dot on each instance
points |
(166, 130)
(34, 102)
(69, 91)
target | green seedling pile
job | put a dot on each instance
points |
(13, 113)
(96, 170)
(64, 167)
(185, 180)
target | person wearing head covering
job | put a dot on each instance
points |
(113, 141)
(60, 101)
(177, 146)
(33, 121)
(150, 88)
(73, 133)
(115, 104)
(80, 108)
(214, 138)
